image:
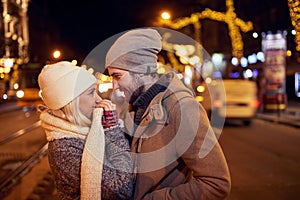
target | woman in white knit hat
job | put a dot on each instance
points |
(88, 152)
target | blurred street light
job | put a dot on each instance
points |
(56, 54)
(165, 15)
(8, 63)
(255, 35)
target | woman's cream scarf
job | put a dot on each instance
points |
(93, 153)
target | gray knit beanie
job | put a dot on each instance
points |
(135, 51)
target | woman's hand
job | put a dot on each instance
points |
(106, 104)
(109, 117)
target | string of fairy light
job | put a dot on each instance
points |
(235, 25)
(294, 8)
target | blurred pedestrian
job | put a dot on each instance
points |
(87, 151)
(177, 155)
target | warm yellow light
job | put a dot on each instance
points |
(56, 54)
(294, 8)
(40, 94)
(14, 37)
(288, 53)
(199, 98)
(16, 86)
(194, 60)
(161, 70)
(20, 94)
(8, 63)
(103, 78)
(165, 15)
(74, 62)
(7, 70)
(208, 80)
(235, 25)
(200, 88)
(180, 50)
(188, 72)
(91, 70)
(184, 60)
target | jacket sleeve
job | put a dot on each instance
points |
(201, 153)
(118, 176)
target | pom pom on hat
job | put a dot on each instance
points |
(135, 51)
(62, 82)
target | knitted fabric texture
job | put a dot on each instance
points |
(93, 153)
(62, 82)
(92, 160)
(135, 51)
(144, 99)
(109, 119)
(57, 128)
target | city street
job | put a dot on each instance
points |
(244, 55)
(263, 159)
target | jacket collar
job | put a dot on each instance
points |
(155, 112)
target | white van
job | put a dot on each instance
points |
(231, 99)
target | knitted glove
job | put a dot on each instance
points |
(109, 119)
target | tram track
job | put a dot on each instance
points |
(20, 132)
(20, 152)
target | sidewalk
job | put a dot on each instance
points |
(291, 116)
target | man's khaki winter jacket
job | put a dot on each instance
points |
(177, 155)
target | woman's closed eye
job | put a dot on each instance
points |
(91, 91)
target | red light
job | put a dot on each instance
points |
(255, 103)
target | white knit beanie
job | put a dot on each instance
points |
(135, 51)
(62, 82)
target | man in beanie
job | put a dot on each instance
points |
(88, 153)
(176, 153)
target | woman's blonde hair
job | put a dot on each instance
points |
(74, 115)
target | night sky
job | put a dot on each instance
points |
(79, 26)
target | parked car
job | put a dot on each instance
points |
(231, 99)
